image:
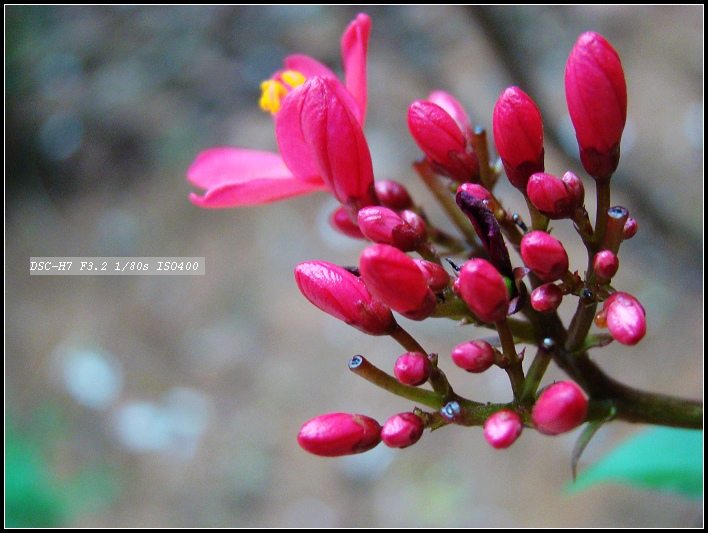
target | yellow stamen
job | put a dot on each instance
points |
(274, 90)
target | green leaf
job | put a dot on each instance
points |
(665, 459)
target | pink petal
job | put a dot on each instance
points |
(307, 66)
(453, 107)
(288, 131)
(355, 44)
(336, 141)
(219, 166)
(255, 192)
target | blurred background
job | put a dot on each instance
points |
(174, 401)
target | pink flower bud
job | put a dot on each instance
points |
(475, 356)
(502, 428)
(316, 130)
(341, 294)
(435, 276)
(605, 264)
(440, 138)
(335, 434)
(403, 430)
(630, 229)
(483, 289)
(596, 92)
(518, 136)
(393, 195)
(453, 108)
(394, 279)
(413, 368)
(556, 198)
(560, 408)
(383, 225)
(341, 222)
(626, 318)
(477, 191)
(545, 255)
(546, 298)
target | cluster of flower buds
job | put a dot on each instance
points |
(319, 128)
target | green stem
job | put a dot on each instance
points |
(514, 369)
(603, 204)
(378, 377)
(402, 337)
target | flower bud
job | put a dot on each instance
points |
(605, 264)
(383, 225)
(476, 190)
(518, 136)
(442, 141)
(341, 222)
(630, 229)
(545, 255)
(403, 430)
(483, 289)
(453, 108)
(546, 298)
(596, 92)
(502, 428)
(475, 356)
(435, 276)
(556, 198)
(394, 279)
(560, 408)
(335, 434)
(413, 368)
(393, 195)
(341, 294)
(626, 318)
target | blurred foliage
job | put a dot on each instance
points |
(35, 496)
(665, 459)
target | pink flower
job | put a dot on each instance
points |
(337, 434)
(483, 289)
(596, 92)
(340, 293)
(518, 135)
(319, 132)
(394, 279)
(441, 129)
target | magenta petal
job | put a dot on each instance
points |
(288, 131)
(355, 44)
(219, 166)
(336, 141)
(307, 66)
(255, 192)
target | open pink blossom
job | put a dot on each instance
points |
(234, 177)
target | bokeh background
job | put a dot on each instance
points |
(175, 401)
